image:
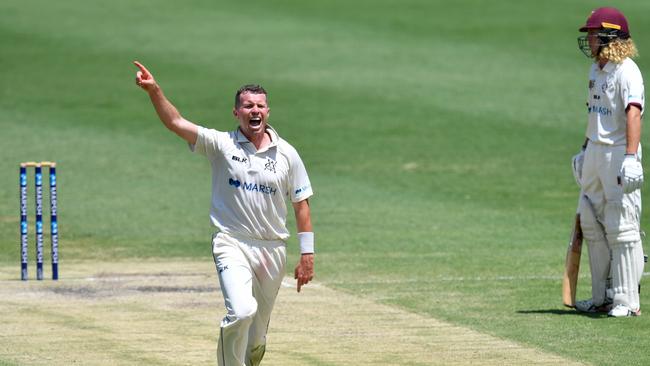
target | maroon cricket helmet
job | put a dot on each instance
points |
(609, 19)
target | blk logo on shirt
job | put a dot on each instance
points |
(237, 158)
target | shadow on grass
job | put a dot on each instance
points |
(563, 312)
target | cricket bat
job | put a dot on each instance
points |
(572, 265)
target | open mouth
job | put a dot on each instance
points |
(255, 121)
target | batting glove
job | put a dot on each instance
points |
(631, 174)
(577, 162)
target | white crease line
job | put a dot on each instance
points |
(290, 283)
(460, 279)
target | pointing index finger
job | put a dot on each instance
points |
(142, 68)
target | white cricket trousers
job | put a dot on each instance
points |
(611, 224)
(250, 273)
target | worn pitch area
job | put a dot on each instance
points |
(168, 313)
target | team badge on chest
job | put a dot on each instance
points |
(270, 165)
(604, 87)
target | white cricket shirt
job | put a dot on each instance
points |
(611, 90)
(249, 186)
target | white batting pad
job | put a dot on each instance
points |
(627, 263)
(599, 264)
(599, 253)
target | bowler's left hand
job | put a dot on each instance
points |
(304, 270)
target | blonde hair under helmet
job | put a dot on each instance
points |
(618, 50)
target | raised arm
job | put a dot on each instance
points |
(304, 271)
(167, 113)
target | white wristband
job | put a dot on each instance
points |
(306, 241)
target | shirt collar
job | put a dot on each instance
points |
(609, 67)
(241, 138)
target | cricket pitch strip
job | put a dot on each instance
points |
(168, 313)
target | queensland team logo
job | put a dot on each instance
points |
(270, 165)
(604, 87)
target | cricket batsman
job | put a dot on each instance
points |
(253, 170)
(609, 169)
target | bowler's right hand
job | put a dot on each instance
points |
(143, 78)
(304, 271)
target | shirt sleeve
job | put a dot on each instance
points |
(207, 143)
(632, 90)
(299, 184)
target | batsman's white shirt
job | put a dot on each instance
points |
(611, 90)
(249, 186)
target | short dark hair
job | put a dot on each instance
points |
(248, 88)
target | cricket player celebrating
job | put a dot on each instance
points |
(609, 169)
(253, 169)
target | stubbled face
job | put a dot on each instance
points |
(252, 114)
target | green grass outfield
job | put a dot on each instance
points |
(437, 134)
